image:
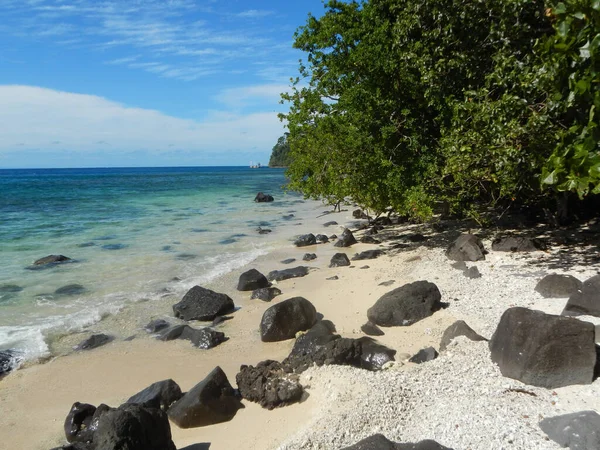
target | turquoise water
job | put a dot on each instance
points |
(129, 232)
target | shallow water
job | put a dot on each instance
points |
(131, 233)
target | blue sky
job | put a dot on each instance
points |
(94, 83)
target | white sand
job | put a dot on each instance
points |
(460, 399)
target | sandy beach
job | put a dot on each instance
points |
(407, 402)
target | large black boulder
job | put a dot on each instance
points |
(251, 280)
(94, 341)
(346, 239)
(286, 274)
(319, 335)
(459, 328)
(78, 424)
(585, 301)
(204, 338)
(558, 286)
(203, 304)
(467, 247)
(339, 260)
(283, 320)
(268, 384)
(380, 442)
(265, 294)
(340, 351)
(406, 304)
(161, 394)
(305, 240)
(262, 198)
(211, 401)
(516, 244)
(374, 355)
(133, 427)
(544, 350)
(367, 254)
(578, 431)
(309, 257)
(51, 259)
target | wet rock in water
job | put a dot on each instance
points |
(368, 254)
(333, 278)
(203, 304)
(406, 304)
(369, 240)
(517, 244)
(467, 247)
(330, 223)
(263, 198)
(346, 239)
(114, 246)
(186, 256)
(157, 325)
(544, 350)
(268, 385)
(305, 240)
(472, 273)
(387, 283)
(283, 320)
(161, 394)
(288, 261)
(380, 442)
(70, 289)
(263, 230)
(577, 431)
(309, 257)
(265, 294)
(211, 401)
(459, 328)
(373, 354)
(585, 301)
(339, 260)
(251, 280)
(286, 274)
(371, 329)
(424, 355)
(51, 259)
(10, 289)
(204, 338)
(94, 341)
(558, 286)
(9, 360)
(322, 239)
(78, 425)
(133, 427)
(86, 244)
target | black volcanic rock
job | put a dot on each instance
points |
(424, 355)
(204, 338)
(286, 274)
(467, 247)
(283, 320)
(161, 394)
(371, 329)
(265, 294)
(94, 341)
(558, 286)
(367, 254)
(339, 260)
(251, 280)
(263, 198)
(203, 304)
(51, 259)
(268, 384)
(517, 244)
(585, 301)
(346, 239)
(305, 240)
(309, 257)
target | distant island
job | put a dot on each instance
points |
(280, 155)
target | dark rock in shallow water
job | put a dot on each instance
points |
(286, 274)
(157, 325)
(517, 244)
(558, 286)
(265, 294)
(161, 394)
(339, 260)
(79, 425)
(330, 223)
(10, 289)
(268, 385)
(371, 329)
(288, 261)
(322, 239)
(346, 239)
(406, 305)
(424, 355)
(263, 230)
(283, 320)
(94, 341)
(251, 280)
(585, 301)
(114, 246)
(380, 442)
(578, 431)
(204, 338)
(467, 247)
(203, 304)
(51, 259)
(373, 354)
(263, 198)
(368, 254)
(211, 401)
(9, 359)
(186, 256)
(305, 240)
(70, 289)
(309, 257)
(459, 328)
(544, 350)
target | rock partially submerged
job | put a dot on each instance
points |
(283, 320)
(251, 280)
(286, 274)
(9, 360)
(203, 304)
(51, 260)
(94, 341)
(204, 338)
(157, 325)
(263, 198)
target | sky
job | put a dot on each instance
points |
(119, 83)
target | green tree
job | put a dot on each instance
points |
(280, 155)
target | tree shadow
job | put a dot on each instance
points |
(200, 446)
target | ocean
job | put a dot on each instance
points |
(135, 235)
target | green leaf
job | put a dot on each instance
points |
(584, 51)
(563, 28)
(561, 8)
(551, 178)
(578, 15)
(596, 5)
(595, 171)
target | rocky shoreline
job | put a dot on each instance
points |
(362, 366)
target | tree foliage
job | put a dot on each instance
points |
(280, 155)
(404, 104)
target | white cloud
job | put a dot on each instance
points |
(42, 119)
(254, 14)
(243, 96)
